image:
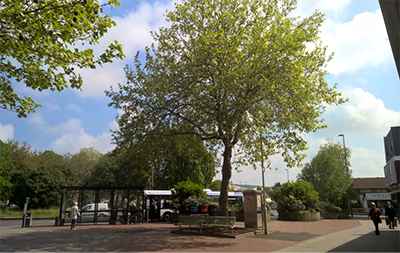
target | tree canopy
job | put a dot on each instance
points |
(40, 46)
(5, 170)
(226, 71)
(327, 172)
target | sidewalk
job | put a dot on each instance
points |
(353, 235)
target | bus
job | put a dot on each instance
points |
(162, 198)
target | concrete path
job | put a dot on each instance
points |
(353, 235)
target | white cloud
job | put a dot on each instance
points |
(357, 44)
(74, 107)
(332, 8)
(6, 132)
(367, 163)
(36, 119)
(364, 115)
(75, 138)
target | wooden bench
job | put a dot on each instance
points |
(194, 219)
(220, 221)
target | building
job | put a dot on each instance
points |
(391, 15)
(392, 167)
(371, 189)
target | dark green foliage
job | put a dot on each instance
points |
(325, 207)
(5, 171)
(37, 175)
(182, 191)
(215, 185)
(276, 191)
(297, 196)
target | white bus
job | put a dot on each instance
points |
(163, 200)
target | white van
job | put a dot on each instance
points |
(101, 207)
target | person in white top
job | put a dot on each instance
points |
(74, 214)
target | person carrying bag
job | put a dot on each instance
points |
(374, 213)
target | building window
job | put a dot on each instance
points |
(387, 190)
(373, 190)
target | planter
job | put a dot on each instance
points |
(343, 215)
(330, 215)
(292, 216)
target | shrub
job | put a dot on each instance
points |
(186, 192)
(326, 207)
(297, 196)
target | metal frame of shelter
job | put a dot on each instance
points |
(119, 200)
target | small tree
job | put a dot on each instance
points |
(185, 191)
(297, 196)
(327, 172)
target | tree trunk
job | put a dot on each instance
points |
(226, 176)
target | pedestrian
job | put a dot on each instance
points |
(374, 213)
(390, 214)
(74, 214)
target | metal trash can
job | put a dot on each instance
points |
(26, 220)
(213, 210)
(204, 209)
(194, 209)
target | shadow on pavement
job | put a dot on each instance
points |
(373, 243)
(105, 240)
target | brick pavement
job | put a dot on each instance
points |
(157, 237)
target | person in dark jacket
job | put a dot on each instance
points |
(374, 213)
(391, 214)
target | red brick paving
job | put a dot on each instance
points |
(157, 237)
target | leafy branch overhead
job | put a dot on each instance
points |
(42, 46)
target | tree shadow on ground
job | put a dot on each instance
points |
(373, 243)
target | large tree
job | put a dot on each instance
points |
(41, 46)
(5, 171)
(167, 160)
(329, 173)
(226, 71)
(83, 164)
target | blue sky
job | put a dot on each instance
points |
(363, 66)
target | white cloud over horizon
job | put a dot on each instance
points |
(363, 115)
(6, 132)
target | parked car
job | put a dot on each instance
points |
(89, 209)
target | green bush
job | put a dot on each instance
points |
(298, 196)
(326, 207)
(186, 193)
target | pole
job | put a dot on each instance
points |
(287, 174)
(264, 209)
(347, 169)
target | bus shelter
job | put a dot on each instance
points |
(104, 205)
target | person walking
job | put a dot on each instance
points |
(390, 213)
(74, 214)
(374, 213)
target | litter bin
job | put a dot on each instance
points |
(213, 210)
(26, 220)
(203, 209)
(194, 209)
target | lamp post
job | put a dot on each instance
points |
(347, 168)
(345, 154)
(264, 209)
(287, 174)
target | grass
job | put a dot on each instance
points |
(15, 212)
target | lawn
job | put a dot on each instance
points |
(15, 212)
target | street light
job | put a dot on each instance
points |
(345, 155)
(347, 168)
(264, 209)
(287, 174)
